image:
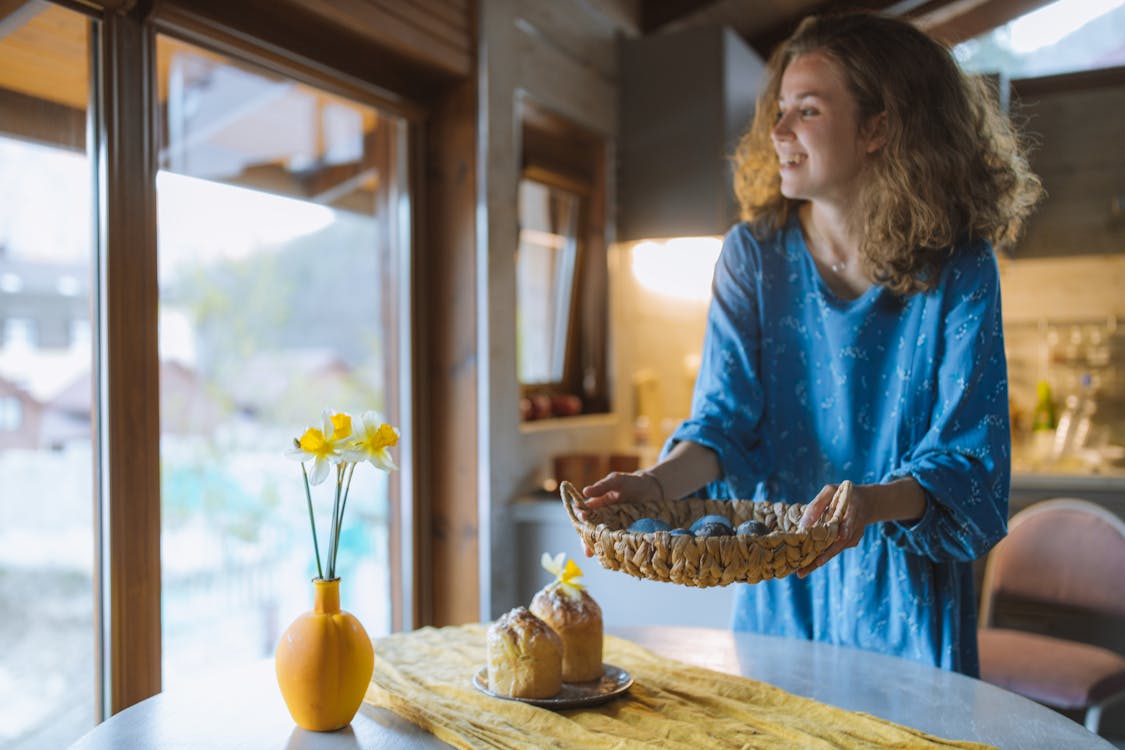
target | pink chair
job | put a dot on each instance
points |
(1064, 555)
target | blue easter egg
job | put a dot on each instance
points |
(648, 525)
(752, 528)
(714, 529)
(711, 519)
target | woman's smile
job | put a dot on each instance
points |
(820, 147)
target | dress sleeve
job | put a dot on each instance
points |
(963, 460)
(727, 400)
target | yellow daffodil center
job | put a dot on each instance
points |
(567, 577)
(384, 437)
(570, 576)
(341, 426)
(313, 442)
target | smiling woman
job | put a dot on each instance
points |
(854, 339)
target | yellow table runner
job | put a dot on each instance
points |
(426, 676)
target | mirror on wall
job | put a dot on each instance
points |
(561, 273)
(545, 264)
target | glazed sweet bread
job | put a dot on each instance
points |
(568, 608)
(525, 656)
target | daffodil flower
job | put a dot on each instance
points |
(323, 445)
(371, 440)
(337, 442)
(567, 577)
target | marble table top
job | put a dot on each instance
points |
(245, 710)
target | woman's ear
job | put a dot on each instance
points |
(875, 132)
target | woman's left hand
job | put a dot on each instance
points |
(847, 503)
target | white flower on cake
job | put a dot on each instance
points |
(568, 577)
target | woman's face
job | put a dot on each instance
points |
(818, 139)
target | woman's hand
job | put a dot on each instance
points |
(847, 505)
(620, 487)
(856, 506)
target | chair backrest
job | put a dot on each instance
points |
(1064, 551)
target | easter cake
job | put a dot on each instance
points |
(525, 656)
(568, 608)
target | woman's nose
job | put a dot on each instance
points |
(780, 130)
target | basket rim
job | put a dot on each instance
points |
(705, 561)
(573, 502)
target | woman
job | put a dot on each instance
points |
(855, 334)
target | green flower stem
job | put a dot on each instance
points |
(312, 521)
(333, 540)
(349, 469)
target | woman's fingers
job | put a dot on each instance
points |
(847, 502)
(619, 487)
(817, 508)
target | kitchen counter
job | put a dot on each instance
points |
(1107, 490)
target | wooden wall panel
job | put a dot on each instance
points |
(446, 306)
(438, 34)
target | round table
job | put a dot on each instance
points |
(246, 710)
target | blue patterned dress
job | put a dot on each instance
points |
(799, 388)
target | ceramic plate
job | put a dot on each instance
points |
(613, 683)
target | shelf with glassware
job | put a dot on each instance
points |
(1067, 397)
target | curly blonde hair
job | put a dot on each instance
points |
(953, 166)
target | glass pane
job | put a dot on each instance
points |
(280, 228)
(1065, 36)
(47, 661)
(544, 279)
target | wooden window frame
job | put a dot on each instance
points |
(126, 416)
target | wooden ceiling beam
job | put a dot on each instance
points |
(656, 14)
(765, 40)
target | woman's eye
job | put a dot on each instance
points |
(808, 112)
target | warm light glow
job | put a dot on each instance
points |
(681, 267)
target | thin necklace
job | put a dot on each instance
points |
(836, 267)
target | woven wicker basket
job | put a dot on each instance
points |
(703, 561)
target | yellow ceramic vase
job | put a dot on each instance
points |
(324, 663)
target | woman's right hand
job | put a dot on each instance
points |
(621, 487)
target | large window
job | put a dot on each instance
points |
(280, 272)
(278, 254)
(47, 661)
(1064, 36)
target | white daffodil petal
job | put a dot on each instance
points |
(553, 565)
(320, 470)
(382, 460)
